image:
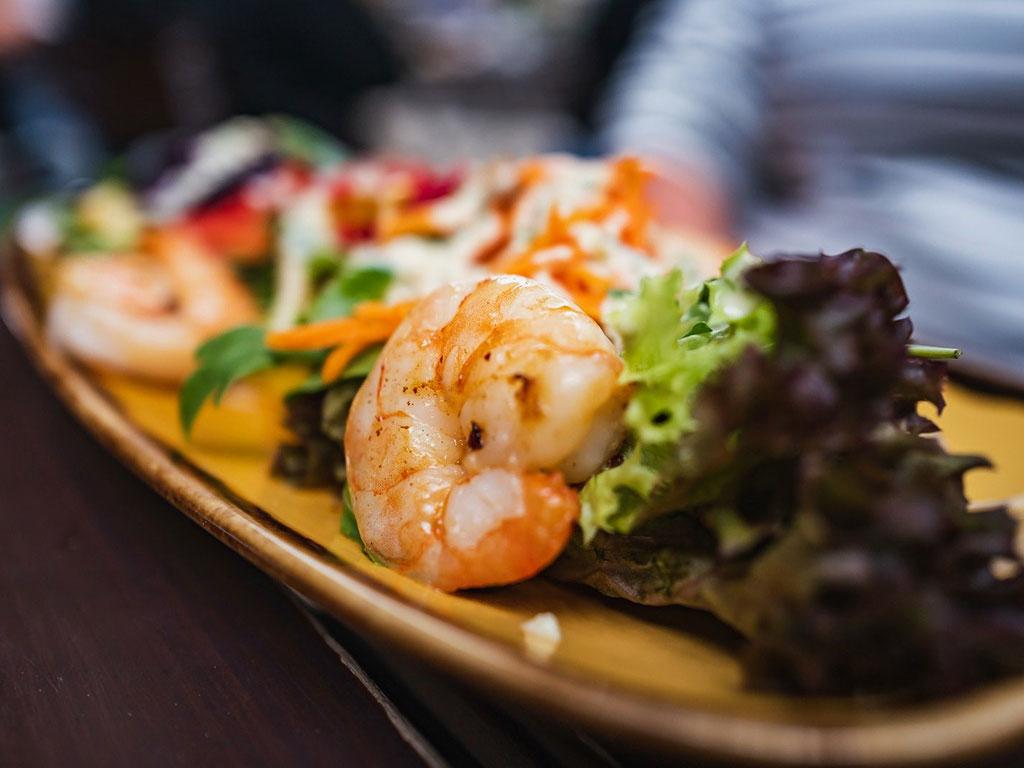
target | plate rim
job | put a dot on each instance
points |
(950, 730)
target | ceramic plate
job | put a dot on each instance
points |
(666, 678)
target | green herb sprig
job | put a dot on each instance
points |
(242, 352)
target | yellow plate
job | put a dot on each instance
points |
(653, 675)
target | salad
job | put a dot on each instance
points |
(513, 367)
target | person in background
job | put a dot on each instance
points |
(804, 125)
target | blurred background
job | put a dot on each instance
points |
(795, 124)
(81, 80)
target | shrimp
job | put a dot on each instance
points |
(489, 399)
(145, 314)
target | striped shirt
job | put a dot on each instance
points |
(895, 125)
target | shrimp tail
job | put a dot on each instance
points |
(521, 547)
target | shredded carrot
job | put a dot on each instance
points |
(570, 268)
(164, 241)
(587, 288)
(369, 317)
(625, 192)
(340, 357)
(378, 310)
(505, 206)
(532, 172)
(372, 323)
(628, 189)
(314, 335)
(418, 220)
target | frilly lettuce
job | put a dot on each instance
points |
(804, 502)
(673, 337)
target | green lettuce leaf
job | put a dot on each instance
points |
(350, 526)
(222, 361)
(304, 142)
(358, 369)
(808, 509)
(241, 352)
(259, 279)
(673, 338)
(349, 287)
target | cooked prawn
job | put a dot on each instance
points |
(145, 313)
(488, 400)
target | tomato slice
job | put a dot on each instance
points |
(233, 228)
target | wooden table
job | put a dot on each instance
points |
(128, 636)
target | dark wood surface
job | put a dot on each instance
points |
(128, 636)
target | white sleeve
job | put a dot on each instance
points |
(43, 20)
(690, 90)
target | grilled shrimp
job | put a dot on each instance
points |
(488, 400)
(145, 314)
